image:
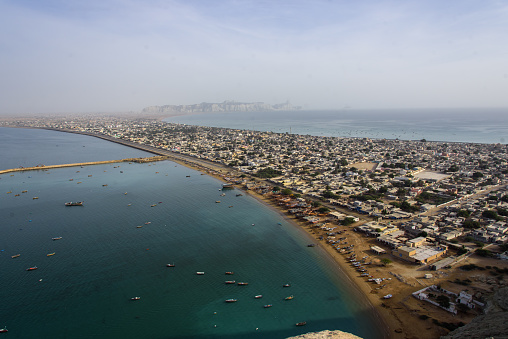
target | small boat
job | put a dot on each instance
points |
(231, 300)
(286, 285)
(148, 223)
(289, 298)
(170, 265)
(50, 254)
(135, 298)
(311, 245)
(388, 296)
(9, 192)
(79, 203)
(4, 330)
(230, 281)
(25, 191)
(89, 175)
(200, 273)
(243, 283)
(15, 256)
(187, 176)
(16, 195)
(239, 194)
(267, 306)
(139, 226)
(230, 273)
(223, 195)
(35, 198)
(301, 323)
(104, 185)
(153, 205)
(32, 268)
(57, 238)
(259, 296)
(217, 201)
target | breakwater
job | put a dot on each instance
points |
(42, 167)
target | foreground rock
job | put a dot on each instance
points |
(327, 335)
(492, 324)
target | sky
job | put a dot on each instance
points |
(62, 56)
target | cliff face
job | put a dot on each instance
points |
(492, 324)
(226, 106)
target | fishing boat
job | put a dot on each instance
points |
(104, 185)
(57, 238)
(243, 283)
(153, 205)
(311, 245)
(289, 298)
(227, 186)
(50, 254)
(4, 330)
(230, 273)
(15, 256)
(140, 226)
(32, 268)
(231, 300)
(25, 191)
(148, 223)
(200, 273)
(267, 306)
(135, 298)
(230, 281)
(170, 265)
(79, 203)
(259, 296)
(239, 194)
(301, 323)
(35, 198)
(217, 201)
(286, 285)
(388, 296)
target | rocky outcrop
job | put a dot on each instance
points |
(327, 335)
(492, 324)
(226, 106)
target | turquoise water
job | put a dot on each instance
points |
(104, 259)
(453, 125)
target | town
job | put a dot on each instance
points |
(419, 203)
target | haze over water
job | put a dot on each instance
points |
(104, 259)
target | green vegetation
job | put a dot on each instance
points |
(386, 261)
(491, 214)
(268, 172)
(432, 198)
(348, 221)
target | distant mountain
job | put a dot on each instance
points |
(226, 106)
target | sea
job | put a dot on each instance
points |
(472, 125)
(136, 219)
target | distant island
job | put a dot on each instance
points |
(226, 106)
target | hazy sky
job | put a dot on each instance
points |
(123, 55)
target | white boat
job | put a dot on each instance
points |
(200, 273)
(135, 298)
(388, 296)
(259, 296)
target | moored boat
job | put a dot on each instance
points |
(301, 323)
(50, 254)
(4, 330)
(259, 296)
(32, 268)
(15, 256)
(230, 281)
(135, 298)
(230, 273)
(286, 285)
(170, 265)
(289, 298)
(70, 203)
(200, 273)
(267, 306)
(231, 300)
(57, 238)
(243, 283)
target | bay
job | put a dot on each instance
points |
(451, 125)
(104, 259)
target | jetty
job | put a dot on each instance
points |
(43, 167)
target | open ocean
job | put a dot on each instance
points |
(104, 259)
(451, 125)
